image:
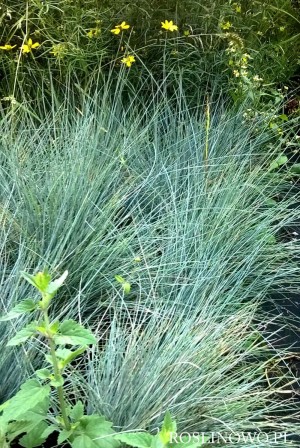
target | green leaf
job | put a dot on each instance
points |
(283, 117)
(26, 306)
(35, 437)
(278, 162)
(57, 381)
(98, 430)
(56, 284)
(83, 441)
(295, 168)
(64, 435)
(44, 374)
(40, 281)
(70, 332)
(77, 411)
(24, 334)
(120, 279)
(29, 396)
(169, 426)
(72, 355)
(136, 439)
(126, 287)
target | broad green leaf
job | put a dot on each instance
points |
(35, 437)
(283, 117)
(98, 430)
(56, 284)
(64, 435)
(72, 355)
(43, 373)
(26, 306)
(57, 381)
(83, 441)
(27, 399)
(54, 327)
(278, 162)
(169, 426)
(24, 334)
(77, 411)
(136, 439)
(70, 332)
(295, 168)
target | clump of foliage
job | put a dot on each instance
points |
(57, 43)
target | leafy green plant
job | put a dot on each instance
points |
(28, 411)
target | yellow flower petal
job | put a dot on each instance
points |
(35, 45)
(7, 47)
(116, 30)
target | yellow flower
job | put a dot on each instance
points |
(94, 32)
(128, 60)
(169, 25)
(237, 7)
(119, 28)
(27, 48)
(7, 47)
(226, 25)
(236, 73)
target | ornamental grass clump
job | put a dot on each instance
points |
(169, 221)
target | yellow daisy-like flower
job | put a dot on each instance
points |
(119, 28)
(7, 47)
(29, 46)
(128, 60)
(226, 25)
(169, 25)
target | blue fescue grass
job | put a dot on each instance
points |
(103, 190)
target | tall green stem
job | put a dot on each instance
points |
(57, 373)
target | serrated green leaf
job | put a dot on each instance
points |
(24, 334)
(26, 306)
(77, 411)
(70, 332)
(34, 438)
(99, 430)
(27, 399)
(136, 439)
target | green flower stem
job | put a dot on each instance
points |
(57, 374)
